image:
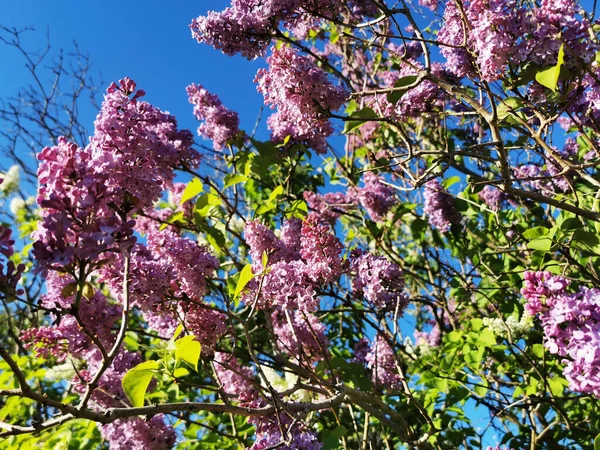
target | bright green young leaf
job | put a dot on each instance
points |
(543, 244)
(135, 381)
(192, 189)
(535, 233)
(233, 179)
(508, 106)
(188, 350)
(276, 193)
(360, 118)
(245, 276)
(597, 442)
(264, 260)
(549, 77)
(404, 82)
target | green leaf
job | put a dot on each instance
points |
(360, 117)
(233, 179)
(538, 350)
(597, 442)
(275, 193)
(486, 338)
(450, 181)
(192, 189)
(508, 106)
(135, 382)
(187, 349)
(549, 77)
(245, 276)
(175, 217)
(298, 209)
(404, 82)
(535, 233)
(543, 244)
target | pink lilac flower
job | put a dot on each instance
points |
(376, 197)
(237, 381)
(379, 281)
(439, 206)
(287, 285)
(302, 94)
(139, 434)
(88, 195)
(492, 197)
(571, 324)
(207, 324)
(299, 334)
(191, 263)
(330, 206)
(220, 125)
(321, 249)
(382, 362)
(453, 33)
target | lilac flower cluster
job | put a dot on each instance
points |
(88, 195)
(306, 257)
(379, 281)
(376, 197)
(248, 26)
(439, 206)
(239, 383)
(219, 124)
(328, 207)
(501, 31)
(571, 325)
(11, 274)
(302, 94)
(492, 197)
(382, 362)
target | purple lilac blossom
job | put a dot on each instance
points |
(220, 125)
(439, 206)
(571, 324)
(376, 197)
(379, 281)
(302, 94)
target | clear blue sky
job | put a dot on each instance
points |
(148, 41)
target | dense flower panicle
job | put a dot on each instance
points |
(493, 34)
(220, 125)
(191, 263)
(299, 334)
(571, 325)
(262, 239)
(6, 242)
(302, 94)
(539, 285)
(234, 30)
(236, 380)
(429, 339)
(439, 206)
(287, 285)
(87, 194)
(454, 34)
(379, 281)
(291, 234)
(376, 197)
(361, 349)
(137, 147)
(297, 439)
(139, 434)
(492, 197)
(382, 363)
(328, 207)
(321, 249)
(206, 324)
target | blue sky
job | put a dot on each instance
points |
(147, 41)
